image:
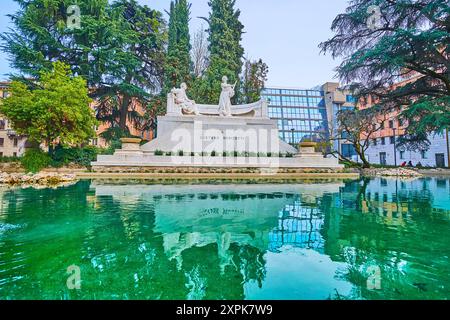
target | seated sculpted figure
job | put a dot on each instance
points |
(182, 100)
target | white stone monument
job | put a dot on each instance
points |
(223, 135)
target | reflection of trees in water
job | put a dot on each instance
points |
(32, 253)
(390, 230)
(122, 257)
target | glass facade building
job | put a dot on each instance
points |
(301, 114)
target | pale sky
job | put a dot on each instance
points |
(284, 33)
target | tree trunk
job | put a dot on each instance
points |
(366, 163)
(124, 113)
(359, 150)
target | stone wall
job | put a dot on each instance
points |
(193, 170)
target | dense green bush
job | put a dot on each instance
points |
(9, 159)
(289, 155)
(113, 146)
(35, 160)
(81, 156)
(159, 153)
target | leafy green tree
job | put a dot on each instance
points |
(135, 69)
(119, 50)
(56, 111)
(178, 65)
(390, 42)
(253, 80)
(226, 52)
(40, 36)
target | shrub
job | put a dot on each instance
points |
(9, 159)
(81, 156)
(159, 153)
(269, 154)
(192, 154)
(224, 154)
(113, 146)
(35, 160)
(236, 154)
(214, 154)
(289, 155)
(168, 154)
(180, 153)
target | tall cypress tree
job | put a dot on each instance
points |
(178, 64)
(226, 53)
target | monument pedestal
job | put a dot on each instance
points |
(130, 147)
(206, 134)
(246, 139)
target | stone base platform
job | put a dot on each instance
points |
(108, 163)
(132, 157)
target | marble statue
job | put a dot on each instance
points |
(225, 98)
(182, 101)
(178, 104)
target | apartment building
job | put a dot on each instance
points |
(11, 144)
(384, 148)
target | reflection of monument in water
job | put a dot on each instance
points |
(253, 215)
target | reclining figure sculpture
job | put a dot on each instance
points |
(179, 104)
(181, 99)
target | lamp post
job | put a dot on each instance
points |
(395, 147)
(291, 124)
(293, 136)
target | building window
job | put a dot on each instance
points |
(374, 142)
(5, 94)
(383, 141)
(348, 150)
(402, 155)
(424, 155)
(392, 140)
(15, 142)
(391, 124)
(382, 126)
(1, 154)
(2, 124)
(400, 122)
(350, 99)
(14, 154)
(2, 142)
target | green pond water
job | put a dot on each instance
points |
(368, 239)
